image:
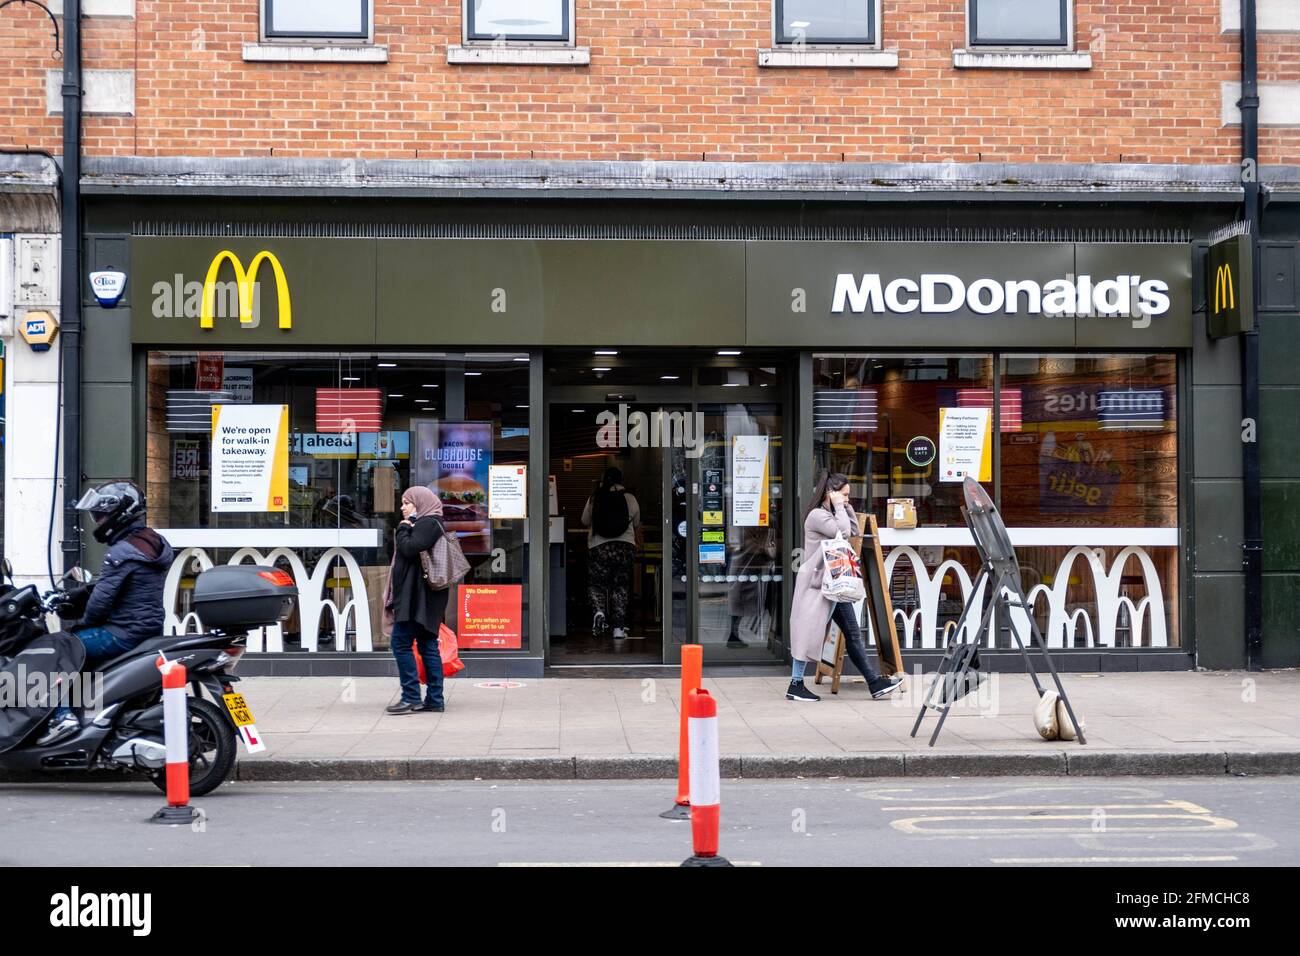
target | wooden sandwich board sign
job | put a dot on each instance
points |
(831, 662)
(877, 613)
(878, 604)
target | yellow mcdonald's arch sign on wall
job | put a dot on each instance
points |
(1224, 295)
(245, 282)
(1229, 285)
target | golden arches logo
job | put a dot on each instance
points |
(1224, 296)
(244, 283)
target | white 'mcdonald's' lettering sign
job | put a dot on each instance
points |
(940, 294)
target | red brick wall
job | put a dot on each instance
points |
(25, 54)
(1279, 62)
(669, 80)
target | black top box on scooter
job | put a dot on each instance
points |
(243, 597)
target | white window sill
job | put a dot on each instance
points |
(1021, 60)
(307, 53)
(520, 55)
(843, 59)
(98, 8)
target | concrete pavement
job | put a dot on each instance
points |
(1175, 723)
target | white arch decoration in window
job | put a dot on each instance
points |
(313, 603)
(920, 627)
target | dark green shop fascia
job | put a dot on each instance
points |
(375, 292)
(382, 292)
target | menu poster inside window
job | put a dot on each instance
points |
(965, 444)
(250, 458)
(453, 459)
(749, 481)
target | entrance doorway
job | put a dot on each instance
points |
(612, 588)
(704, 464)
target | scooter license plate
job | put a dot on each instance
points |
(239, 710)
(242, 715)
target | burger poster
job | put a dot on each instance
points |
(453, 459)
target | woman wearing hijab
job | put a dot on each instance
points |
(414, 609)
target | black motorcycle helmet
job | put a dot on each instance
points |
(115, 506)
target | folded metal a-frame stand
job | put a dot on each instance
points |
(958, 672)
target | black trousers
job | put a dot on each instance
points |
(847, 622)
(609, 580)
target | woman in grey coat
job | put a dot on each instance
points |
(829, 514)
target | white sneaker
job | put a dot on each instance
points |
(58, 730)
(620, 633)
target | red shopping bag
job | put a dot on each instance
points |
(419, 664)
(448, 650)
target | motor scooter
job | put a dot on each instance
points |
(121, 703)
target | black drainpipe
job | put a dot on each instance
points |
(1252, 546)
(70, 296)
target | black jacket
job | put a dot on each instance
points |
(413, 599)
(128, 594)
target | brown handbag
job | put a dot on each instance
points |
(444, 564)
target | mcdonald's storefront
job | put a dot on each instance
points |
(721, 377)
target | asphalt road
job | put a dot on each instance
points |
(1194, 821)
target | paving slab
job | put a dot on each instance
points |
(1159, 722)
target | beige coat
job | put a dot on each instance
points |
(809, 611)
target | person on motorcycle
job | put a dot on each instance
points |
(125, 605)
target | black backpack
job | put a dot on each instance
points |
(609, 514)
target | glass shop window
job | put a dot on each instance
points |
(1089, 439)
(361, 428)
(877, 421)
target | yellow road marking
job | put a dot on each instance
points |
(1165, 805)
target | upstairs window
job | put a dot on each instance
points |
(519, 21)
(826, 22)
(1033, 23)
(316, 19)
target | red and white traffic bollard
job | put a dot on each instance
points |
(176, 737)
(706, 780)
(692, 669)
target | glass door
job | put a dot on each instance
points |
(617, 592)
(730, 527)
(706, 465)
